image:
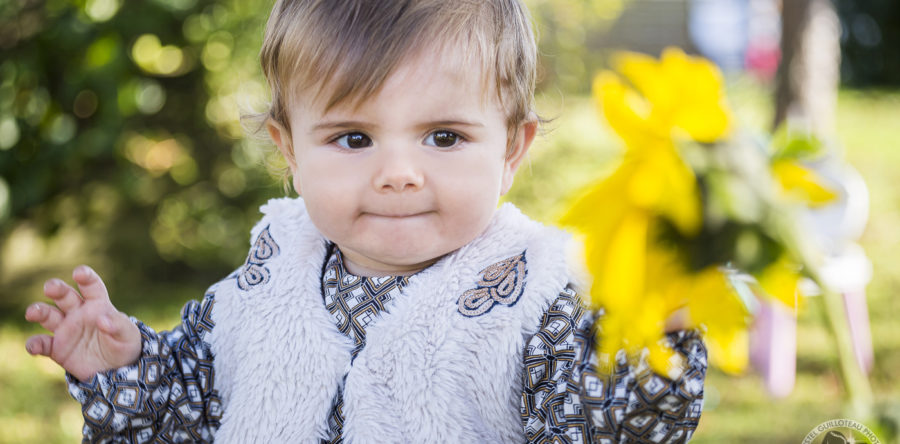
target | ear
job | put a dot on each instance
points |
(282, 139)
(524, 136)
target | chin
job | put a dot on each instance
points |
(411, 258)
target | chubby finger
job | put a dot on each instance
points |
(39, 345)
(49, 317)
(89, 283)
(65, 297)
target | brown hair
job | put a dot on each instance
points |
(348, 48)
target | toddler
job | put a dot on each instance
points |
(393, 301)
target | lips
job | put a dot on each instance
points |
(396, 215)
(397, 210)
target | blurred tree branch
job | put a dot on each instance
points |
(809, 73)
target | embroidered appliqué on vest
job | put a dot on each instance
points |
(500, 283)
(254, 271)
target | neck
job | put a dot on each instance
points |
(359, 265)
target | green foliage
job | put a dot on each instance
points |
(569, 32)
(789, 143)
(120, 125)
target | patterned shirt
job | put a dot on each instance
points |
(566, 399)
(169, 395)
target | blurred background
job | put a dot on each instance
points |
(121, 146)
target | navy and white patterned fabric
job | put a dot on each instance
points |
(167, 396)
(566, 399)
(170, 394)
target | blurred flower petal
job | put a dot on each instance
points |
(802, 183)
(684, 92)
(781, 281)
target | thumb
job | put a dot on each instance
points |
(114, 324)
(122, 341)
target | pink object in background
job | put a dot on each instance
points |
(858, 318)
(762, 61)
(773, 347)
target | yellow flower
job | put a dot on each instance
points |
(713, 304)
(658, 182)
(781, 281)
(676, 91)
(728, 349)
(638, 281)
(802, 183)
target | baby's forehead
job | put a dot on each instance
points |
(467, 74)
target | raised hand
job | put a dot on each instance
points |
(89, 334)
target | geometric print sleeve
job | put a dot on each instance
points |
(566, 399)
(167, 396)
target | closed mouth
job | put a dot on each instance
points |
(396, 215)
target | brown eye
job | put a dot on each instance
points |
(354, 141)
(443, 139)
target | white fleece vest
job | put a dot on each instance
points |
(442, 364)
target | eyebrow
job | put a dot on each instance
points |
(454, 122)
(342, 124)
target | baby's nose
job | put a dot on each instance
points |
(398, 173)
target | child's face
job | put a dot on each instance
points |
(415, 172)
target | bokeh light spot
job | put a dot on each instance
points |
(37, 102)
(196, 27)
(61, 129)
(866, 30)
(232, 182)
(149, 96)
(178, 5)
(9, 133)
(102, 51)
(85, 104)
(151, 56)
(101, 10)
(184, 172)
(4, 200)
(145, 50)
(217, 51)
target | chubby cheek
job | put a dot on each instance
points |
(327, 204)
(470, 224)
(330, 217)
(471, 202)
(480, 182)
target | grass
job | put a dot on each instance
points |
(36, 407)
